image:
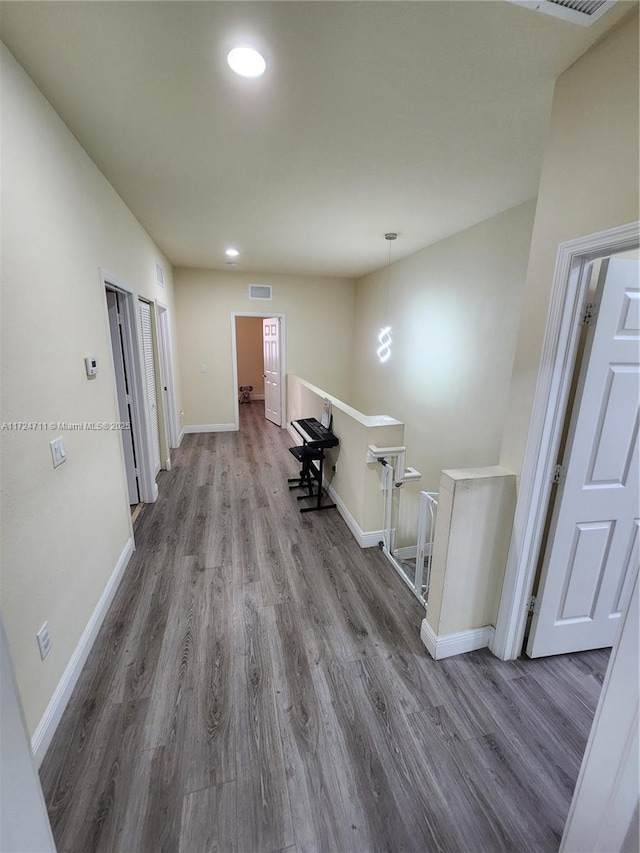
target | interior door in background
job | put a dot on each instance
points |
(592, 554)
(272, 377)
(124, 395)
(149, 377)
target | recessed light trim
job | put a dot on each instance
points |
(231, 253)
(246, 62)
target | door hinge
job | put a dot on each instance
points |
(119, 318)
(532, 604)
(559, 475)
(589, 314)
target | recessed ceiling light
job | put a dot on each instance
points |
(246, 62)
(232, 253)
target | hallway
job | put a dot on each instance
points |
(259, 685)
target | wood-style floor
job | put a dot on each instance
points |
(259, 685)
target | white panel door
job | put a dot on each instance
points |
(592, 554)
(149, 371)
(272, 378)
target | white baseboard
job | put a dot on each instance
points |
(181, 436)
(448, 645)
(210, 428)
(294, 435)
(364, 538)
(50, 719)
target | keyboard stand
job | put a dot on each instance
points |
(310, 476)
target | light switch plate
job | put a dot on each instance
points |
(58, 451)
(44, 640)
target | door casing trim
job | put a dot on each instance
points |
(570, 284)
(283, 356)
(147, 481)
(165, 349)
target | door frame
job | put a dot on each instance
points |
(559, 351)
(121, 376)
(283, 351)
(157, 382)
(130, 338)
(163, 322)
(605, 798)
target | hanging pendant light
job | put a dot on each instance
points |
(384, 335)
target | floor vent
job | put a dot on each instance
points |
(583, 12)
(259, 291)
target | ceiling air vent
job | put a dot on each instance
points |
(583, 12)
(259, 291)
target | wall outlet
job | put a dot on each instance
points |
(44, 640)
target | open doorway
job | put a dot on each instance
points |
(258, 353)
(124, 319)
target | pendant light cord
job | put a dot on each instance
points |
(390, 236)
(386, 312)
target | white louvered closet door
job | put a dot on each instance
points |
(148, 368)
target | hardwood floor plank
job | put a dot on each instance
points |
(244, 541)
(209, 821)
(143, 647)
(269, 534)
(264, 814)
(452, 810)
(384, 787)
(582, 674)
(176, 656)
(153, 821)
(502, 784)
(324, 817)
(532, 719)
(75, 767)
(102, 819)
(210, 718)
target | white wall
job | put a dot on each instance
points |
(589, 183)
(454, 308)
(319, 320)
(62, 530)
(24, 825)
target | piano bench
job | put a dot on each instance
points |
(308, 475)
(304, 453)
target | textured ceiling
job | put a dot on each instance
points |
(417, 117)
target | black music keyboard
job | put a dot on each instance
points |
(314, 434)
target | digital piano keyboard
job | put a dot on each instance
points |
(314, 434)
